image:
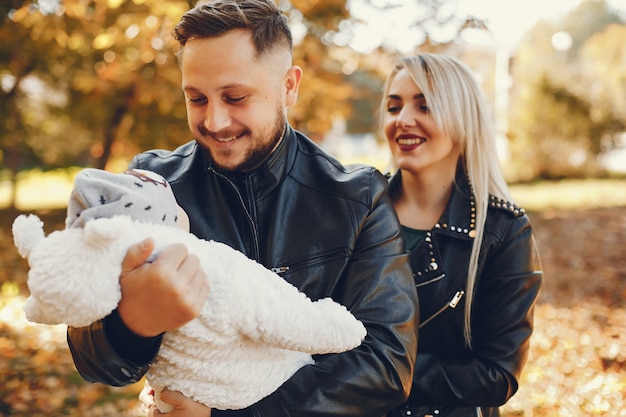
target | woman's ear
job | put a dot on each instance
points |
(292, 83)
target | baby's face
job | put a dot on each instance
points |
(183, 219)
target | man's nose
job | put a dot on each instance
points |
(217, 117)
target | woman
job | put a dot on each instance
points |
(472, 251)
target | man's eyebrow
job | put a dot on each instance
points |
(192, 89)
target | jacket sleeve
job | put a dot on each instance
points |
(378, 289)
(108, 352)
(488, 374)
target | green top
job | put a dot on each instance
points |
(412, 237)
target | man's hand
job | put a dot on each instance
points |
(181, 406)
(162, 295)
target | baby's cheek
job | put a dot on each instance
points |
(183, 220)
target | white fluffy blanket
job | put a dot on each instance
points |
(254, 331)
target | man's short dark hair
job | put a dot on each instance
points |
(263, 18)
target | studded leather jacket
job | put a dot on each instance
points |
(331, 232)
(451, 379)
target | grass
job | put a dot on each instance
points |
(39, 190)
(571, 194)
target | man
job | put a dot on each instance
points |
(249, 180)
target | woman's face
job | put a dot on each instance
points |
(415, 141)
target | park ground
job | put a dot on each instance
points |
(577, 361)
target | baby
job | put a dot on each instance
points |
(255, 329)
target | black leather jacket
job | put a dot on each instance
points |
(449, 377)
(331, 232)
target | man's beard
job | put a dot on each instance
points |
(255, 155)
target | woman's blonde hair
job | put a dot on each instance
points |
(458, 106)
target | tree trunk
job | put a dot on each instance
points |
(12, 164)
(116, 120)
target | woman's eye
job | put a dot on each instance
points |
(393, 109)
(422, 106)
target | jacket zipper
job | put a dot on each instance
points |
(255, 239)
(430, 281)
(309, 262)
(451, 304)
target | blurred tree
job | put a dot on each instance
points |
(91, 73)
(364, 102)
(568, 93)
(603, 61)
(342, 83)
(85, 81)
(19, 59)
(323, 92)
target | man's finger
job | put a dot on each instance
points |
(172, 397)
(137, 254)
(153, 411)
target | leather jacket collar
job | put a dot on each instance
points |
(459, 217)
(271, 172)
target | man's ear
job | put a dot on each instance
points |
(292, 83)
